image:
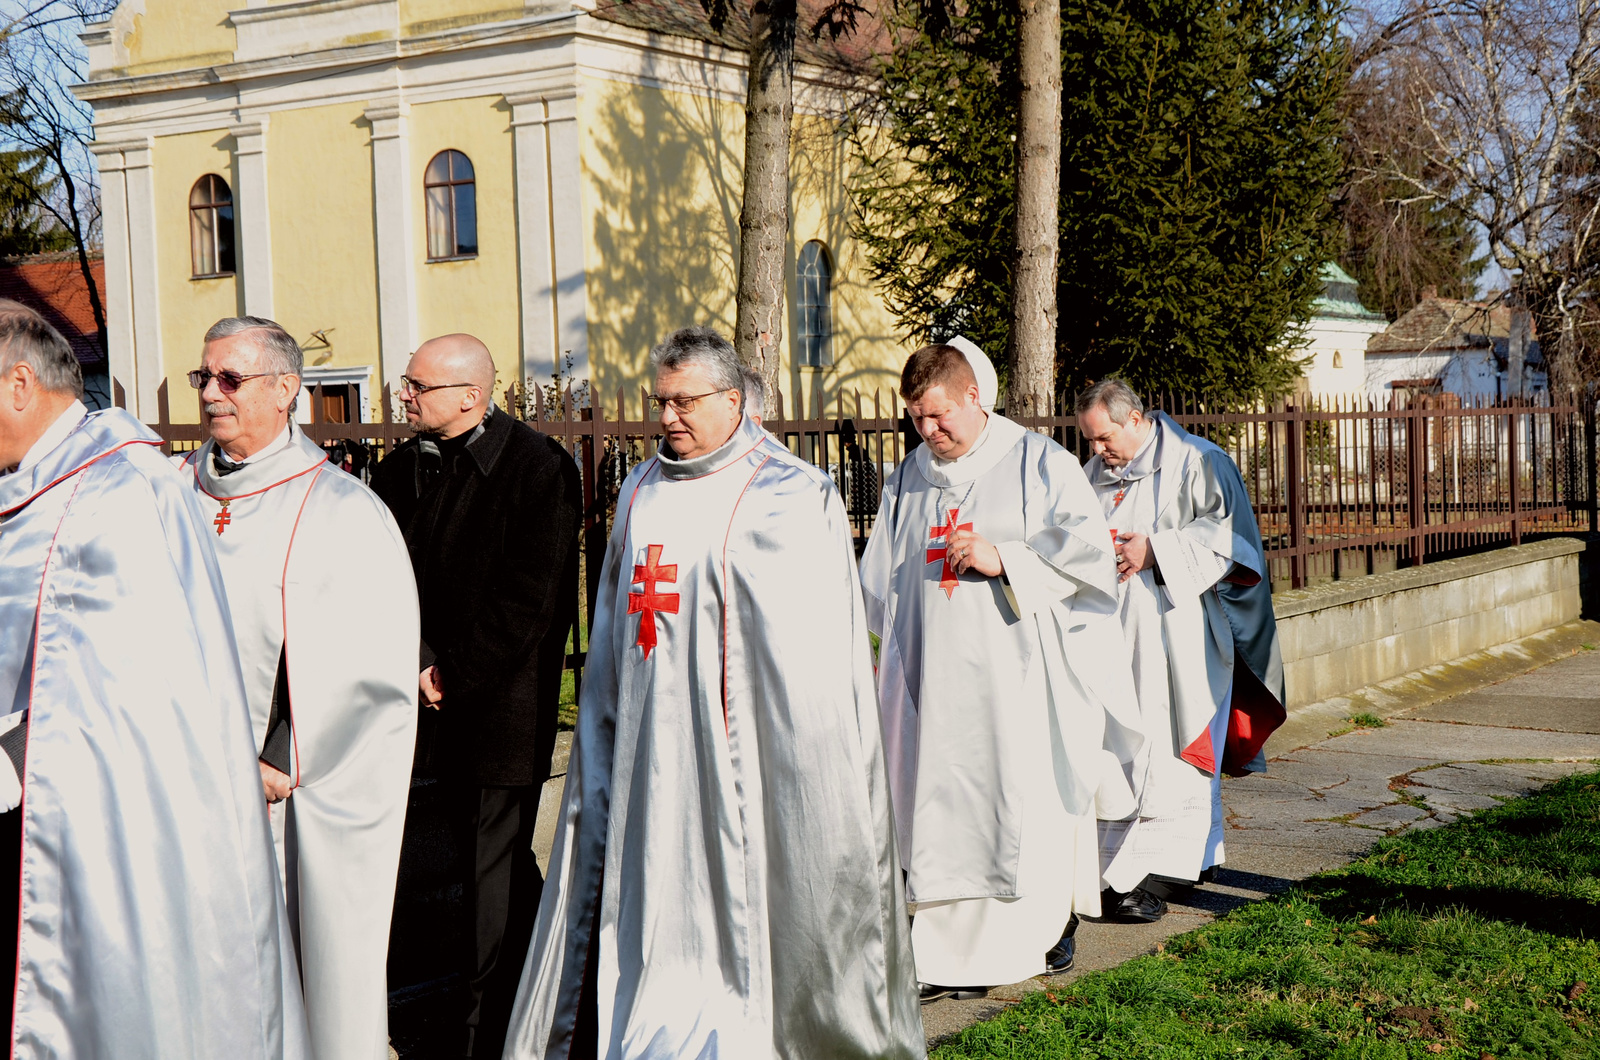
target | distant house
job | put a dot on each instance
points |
(1448, 346)
(54, 285)
(1336, 336)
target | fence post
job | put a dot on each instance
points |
(1590, 461)
(1294, 449)
(1516, 472)
(1417, 482)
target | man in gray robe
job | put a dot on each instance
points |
(324, 609)
(151, 922)
(724, 880)
(990, 580)
(1196, 608)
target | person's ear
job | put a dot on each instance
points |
(288, 390)
(470, 396)
(19, 385)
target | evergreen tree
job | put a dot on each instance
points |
(1199, 162)
(25, 184)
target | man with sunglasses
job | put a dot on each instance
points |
(324, 610)
(490, 508)
(724, 880)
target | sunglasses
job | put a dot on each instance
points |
(409, 385)
(681, 403)
(227, 382)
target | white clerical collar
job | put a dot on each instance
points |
(277, 445)
(55, 434)
(999, 437)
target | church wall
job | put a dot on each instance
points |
(433, 16)
(319, 187)
(188, 307)
(177, 36)
(661, 191)
(477, 295)
(661, 187)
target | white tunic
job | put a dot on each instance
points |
(316, 570)
(1007, 702)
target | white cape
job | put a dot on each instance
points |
(315, 567)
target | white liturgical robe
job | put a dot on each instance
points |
(318, 575)
(152, 926)
(1007, 702)
(725, 842)
(1205, 650)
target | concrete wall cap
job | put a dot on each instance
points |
(1292, 602)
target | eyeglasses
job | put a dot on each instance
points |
(227, 382)
(407, 383)
(682, 403)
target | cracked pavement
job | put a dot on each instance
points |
(1324, 804)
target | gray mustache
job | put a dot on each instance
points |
(220, 408)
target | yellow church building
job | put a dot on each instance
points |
(560, 178)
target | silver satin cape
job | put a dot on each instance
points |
(152, 924)
(726, 825)
(315, 568)
(1205, 647)
(1008, 703)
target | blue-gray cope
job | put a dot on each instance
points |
(1228, 643)
(152, 922)
(726, 825)
(317, 575)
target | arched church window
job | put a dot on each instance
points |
(815, 273)
(452, 207)
(210, 228)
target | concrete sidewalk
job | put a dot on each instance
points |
(1452, 745)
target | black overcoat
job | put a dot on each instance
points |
(494, 542)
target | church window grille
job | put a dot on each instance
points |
(452, 198)
(815, 275)
(211, 228)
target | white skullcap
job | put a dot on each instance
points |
(982, 368)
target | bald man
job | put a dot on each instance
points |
(490, 509)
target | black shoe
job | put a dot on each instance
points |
(1058, 959)
(931, 993)
(1138, 906)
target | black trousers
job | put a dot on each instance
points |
(501, 882)
(10, 900)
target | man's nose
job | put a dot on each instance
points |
(212, 391)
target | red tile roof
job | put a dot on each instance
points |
(56, 289)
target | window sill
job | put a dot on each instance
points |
(815, 367)
(214, 276)
(457, 257)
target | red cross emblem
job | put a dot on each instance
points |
(647, 603)
(947, 577)
(224, 517)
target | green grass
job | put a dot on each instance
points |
(1367, 721)
(1469, 940)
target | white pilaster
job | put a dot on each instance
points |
(393, 214)
(132, 279)
(567, 247)
(252, 217)
(535, 261)
(119, 279)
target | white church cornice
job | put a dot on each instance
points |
(545, 53)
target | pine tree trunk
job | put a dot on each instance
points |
(1030, 389)
(764, 217)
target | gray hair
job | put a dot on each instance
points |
(755, 392)
(1116, 397)
(280, 354)
(704, 347)
(27, 338)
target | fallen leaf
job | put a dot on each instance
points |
(1161, 947)
(1435, 1047)
(1370, 920)
(1469, 1005)
(1308, 923)
(1485, 1056)
(1577, 990)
